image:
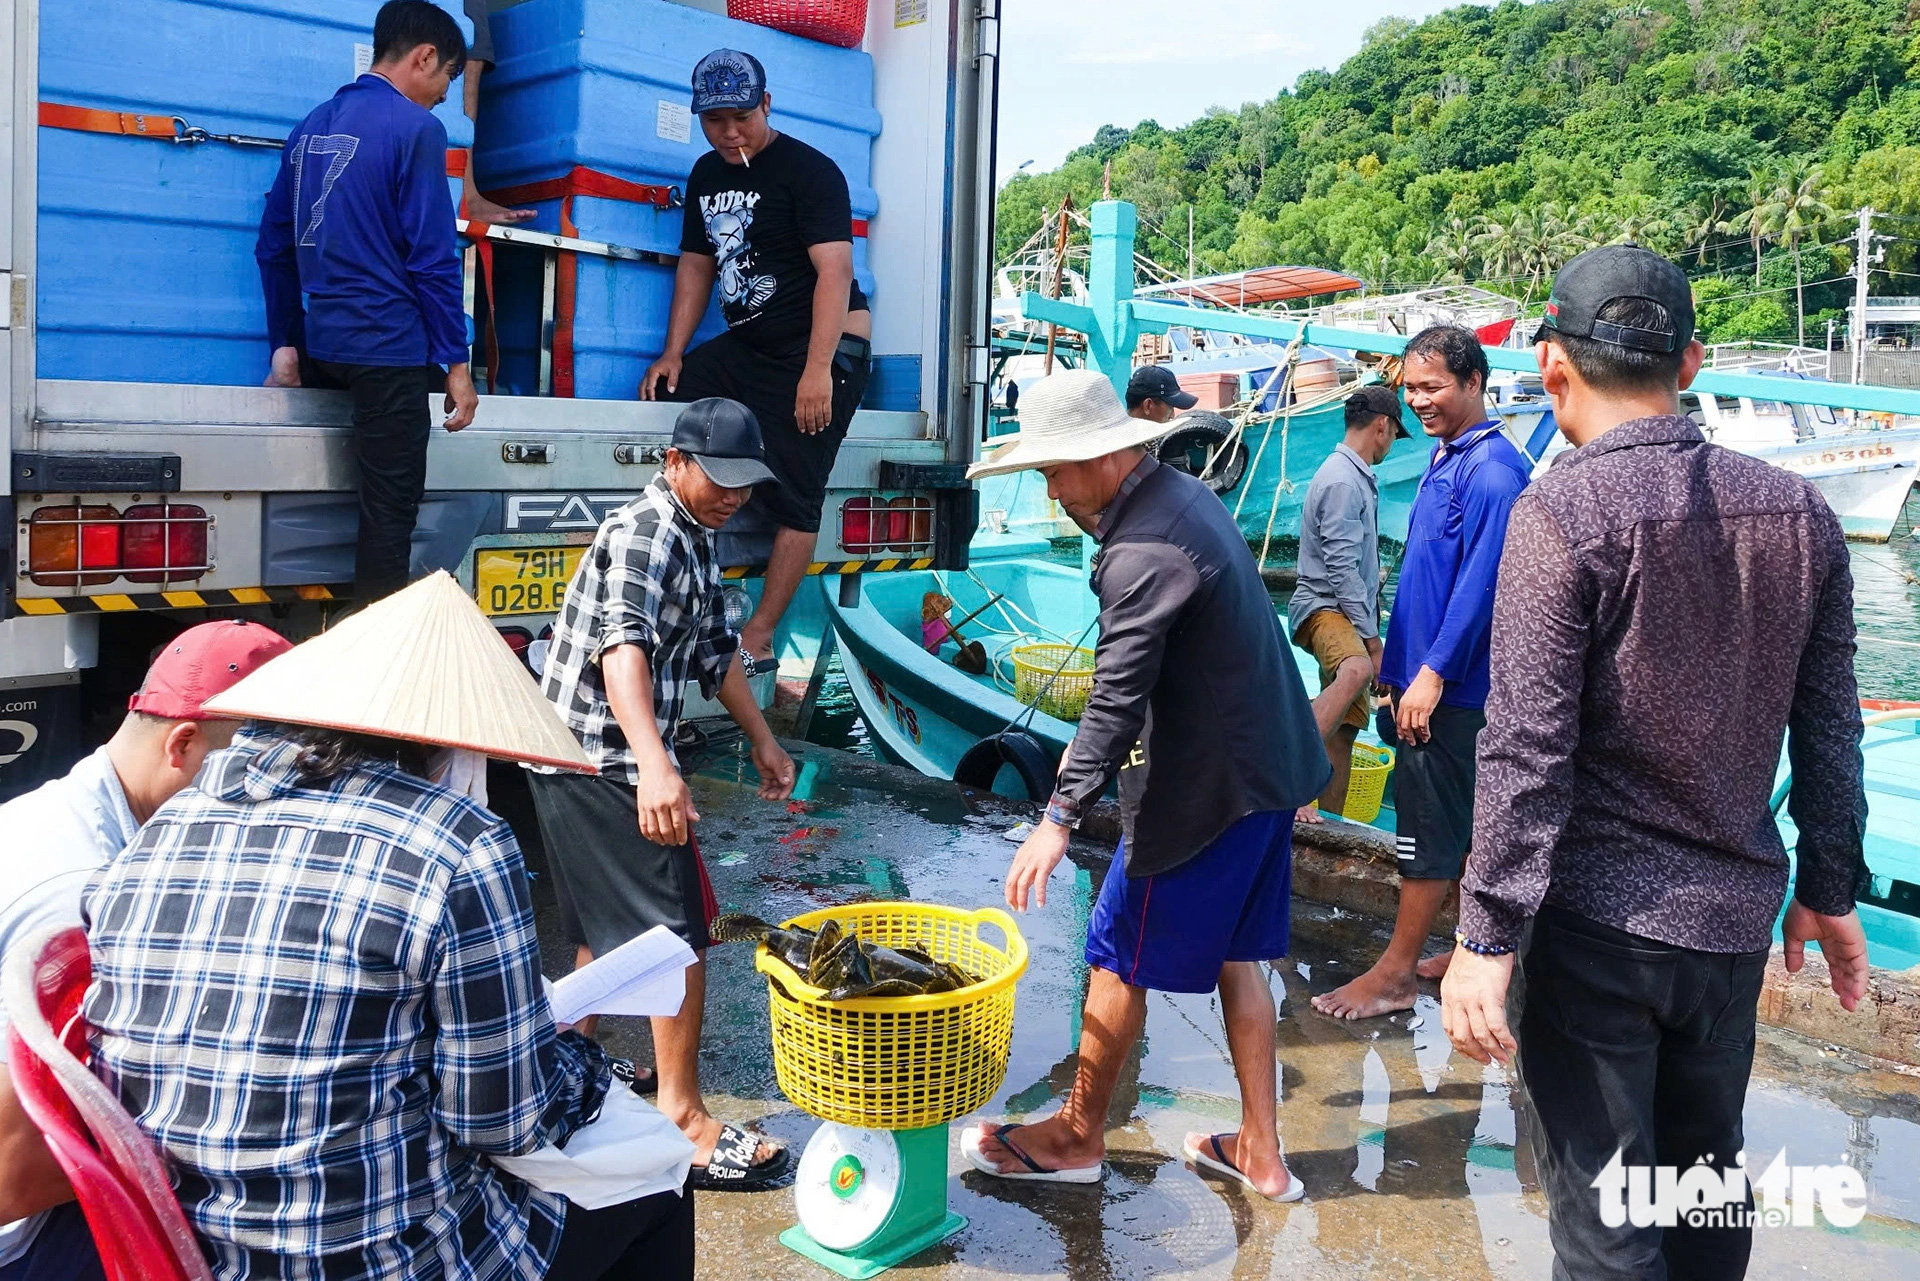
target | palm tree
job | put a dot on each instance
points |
(1452, 246)
(1500, 240)
(1753, 219)
(1702, 222)
(1641, 222)
(1796, 211)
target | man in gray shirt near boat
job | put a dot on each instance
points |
(1335, 610)
(1199, 710)
(1668, 609)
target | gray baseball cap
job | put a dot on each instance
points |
(722, 436)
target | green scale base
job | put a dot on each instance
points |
(919, 1217)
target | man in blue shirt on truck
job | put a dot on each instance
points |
(1435, 662)
(360, 222)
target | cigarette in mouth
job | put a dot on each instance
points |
(743, 158)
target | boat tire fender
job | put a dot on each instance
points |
(1194, 436)
(1028, 756)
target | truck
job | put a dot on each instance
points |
(154, 483)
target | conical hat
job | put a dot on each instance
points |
(423, 664)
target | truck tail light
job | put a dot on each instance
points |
(864, 525)
(910, 523)
(873, 524)
(65, 543)
(164, 542)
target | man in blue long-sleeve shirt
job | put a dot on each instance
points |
(1434, 664)
(360, 223)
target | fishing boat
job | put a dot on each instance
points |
(924, 712)
(928, 714)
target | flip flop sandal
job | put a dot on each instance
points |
(971, 1137)
(731, 1168)
(627, 1072)
(1219, 1164)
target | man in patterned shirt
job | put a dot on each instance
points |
(643, 616)
(316, 985)
(1626, 859)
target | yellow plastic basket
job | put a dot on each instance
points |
(1367, 783)
(1053, 677)
(899, 1063)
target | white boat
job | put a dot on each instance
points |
(1864, 465)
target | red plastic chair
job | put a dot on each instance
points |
(116, 1172)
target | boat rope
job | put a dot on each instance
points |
(1284, 372)
(1284, 485)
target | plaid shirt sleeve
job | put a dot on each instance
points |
(639, 567)
(507, 1082)
(716, 644)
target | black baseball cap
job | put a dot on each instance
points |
(1599, 276)
(722, 436)
(1158, 383)
(1375, 399)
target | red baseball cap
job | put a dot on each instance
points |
(204, 661)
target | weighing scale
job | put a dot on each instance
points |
(869, 1199)
(873, 1195)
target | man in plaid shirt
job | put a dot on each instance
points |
(644, 616)
(316, 985)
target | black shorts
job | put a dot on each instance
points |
(767, 385)
(613, 883)
(1433, 793)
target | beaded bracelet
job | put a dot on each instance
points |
(1481, 949)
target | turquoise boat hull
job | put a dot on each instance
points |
(1282, 456)
(1890, 914)
(924, 712)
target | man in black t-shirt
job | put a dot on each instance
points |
(768, 218)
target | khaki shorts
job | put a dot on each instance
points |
(1331, 638)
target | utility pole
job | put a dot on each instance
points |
(1190, 241)
(1862, 250)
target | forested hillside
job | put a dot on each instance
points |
(1491, 144)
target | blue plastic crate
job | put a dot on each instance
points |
(604, 84)
(146, 268)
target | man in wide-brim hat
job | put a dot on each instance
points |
(316, 982)
(1199, 711)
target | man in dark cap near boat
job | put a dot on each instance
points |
(1335, 608)
(1200, 712)
(1153, 393)
(1625, 849)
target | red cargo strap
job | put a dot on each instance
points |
(166, 127)
(582, 181)
(138, 124)
(579, 181)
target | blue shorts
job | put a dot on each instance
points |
(1172, 932)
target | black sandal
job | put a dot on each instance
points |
(627, 1072)
(731, 1168)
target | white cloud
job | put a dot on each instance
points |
(1070, 66)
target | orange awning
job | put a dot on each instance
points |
(1257, 287)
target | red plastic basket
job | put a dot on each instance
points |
(839, 22)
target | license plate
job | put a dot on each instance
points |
(523, 580)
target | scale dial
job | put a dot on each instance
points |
(847, 1184)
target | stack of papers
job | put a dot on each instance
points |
(645, 976)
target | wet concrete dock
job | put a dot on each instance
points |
(1414, 1163)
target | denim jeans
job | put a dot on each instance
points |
(1639, 1047)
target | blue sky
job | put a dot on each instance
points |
(1070, 66)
